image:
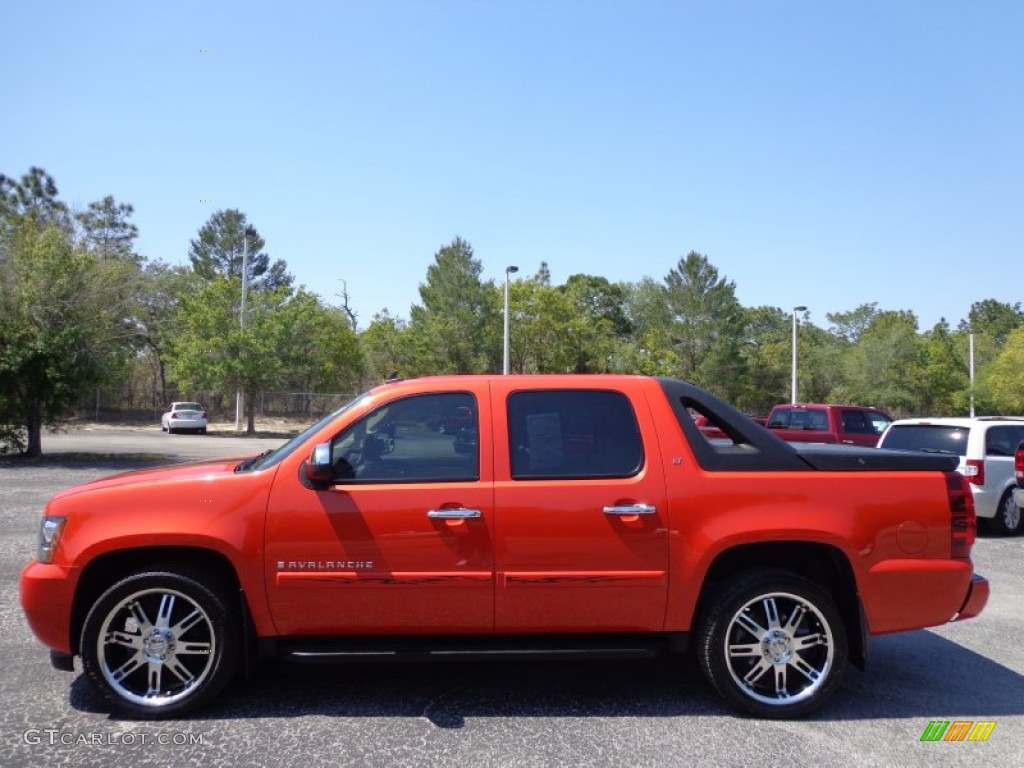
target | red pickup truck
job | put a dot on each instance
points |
(848, 424)
(589, 515)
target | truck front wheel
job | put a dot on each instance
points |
(159, 644)
(772, 644)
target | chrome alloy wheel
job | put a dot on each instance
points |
(1009, 513)
(779, 649)
(155, 647)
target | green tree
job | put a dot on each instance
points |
(213, 352)
(706, 325)
(219, 251)
(387, 347)
(945, 376)
(849, 326)
(107, 231)
(651, 349)
(63, 324)
(1005, 377)
(453, 330)
(766, 351)
(162, 287)
(884, 367)
(34, 196)
(319, 351)
(543, 328)
(994, 319)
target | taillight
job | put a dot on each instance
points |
(204, 415)
(975, 471)
(963, 521)
(1018, 464)
(174, 415)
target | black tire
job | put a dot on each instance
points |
(159, 644)
(787, 639)
(1008, 520)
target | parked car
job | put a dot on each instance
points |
(586, 516)
(1018, 465)
(813, 423)
(182, 416)
(985, 445)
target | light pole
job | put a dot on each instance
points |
(239, 397)
(795, 310)
(971, 337)
(505, 364)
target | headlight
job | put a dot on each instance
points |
(49, 536)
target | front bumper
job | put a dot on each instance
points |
(977, 598)
(47, 592)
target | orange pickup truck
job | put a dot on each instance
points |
(579, 515)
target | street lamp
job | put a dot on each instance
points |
(505, 366)
(795, 310)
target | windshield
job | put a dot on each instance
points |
(273, 457)
(927, 437)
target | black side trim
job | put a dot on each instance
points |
(749, 448)
(319, 650)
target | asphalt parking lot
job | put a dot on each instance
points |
(542, 714)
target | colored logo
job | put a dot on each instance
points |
(958, 730)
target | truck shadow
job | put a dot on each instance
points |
(916, 675)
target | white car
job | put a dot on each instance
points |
(986, 446)
(182, 416)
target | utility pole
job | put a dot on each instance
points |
(239, 397)
(795, 310)
(506, 345)
(971, 337)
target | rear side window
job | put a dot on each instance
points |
(1003, 441)
(927, 437)
(857, 422)
(573, 434)
(799, 418)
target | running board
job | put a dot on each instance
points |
(469, 648)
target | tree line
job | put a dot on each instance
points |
(80, 309)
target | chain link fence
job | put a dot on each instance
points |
(128, 406)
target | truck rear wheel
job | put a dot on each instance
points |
(772, 644)
(159, 644)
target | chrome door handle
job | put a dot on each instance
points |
(458, 513)
(631, 509)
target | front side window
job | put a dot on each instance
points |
(573, 434)
(879, 421)
(413, 439)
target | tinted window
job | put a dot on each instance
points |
(1003, 441)
(879, 421)
(573, 434)
(411, 440)
(799, 418)
(927, 437)
(857, 421)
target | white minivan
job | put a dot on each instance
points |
(985, 445)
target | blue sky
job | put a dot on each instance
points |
(824, 154)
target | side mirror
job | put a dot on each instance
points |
(319, 468)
